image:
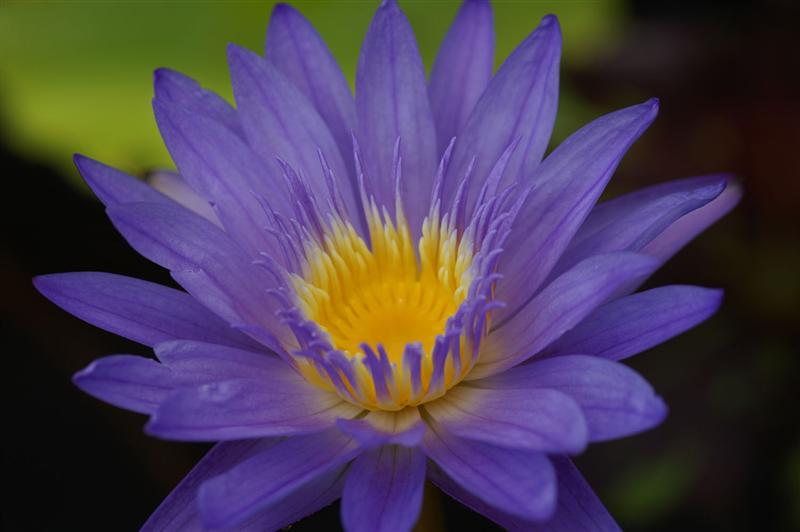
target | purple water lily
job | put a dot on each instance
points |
(391, 287)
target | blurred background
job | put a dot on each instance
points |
(76, 77)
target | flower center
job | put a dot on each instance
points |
(386, 307)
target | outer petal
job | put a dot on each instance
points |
(248, 408)
(383, 490)
(392, 102)
(219, 166)
(281, 123)
(300, 54)
(462, 69)
(261, 481)
(205, 362)
(174, 87)
(205, 260)
(467, 498)
(567, 185)
(179, 510)
(377, 428)
(684, 230)
(131, 382)
(112, 186)
(559, 307)
(615, 400)
(141, 311)
(579, 508)
(535, 420)
(630, 222)
(172, 185)
(638, 322)
(518, 105)
(521, 483)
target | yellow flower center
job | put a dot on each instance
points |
(387, 295)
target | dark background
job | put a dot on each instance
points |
(728, 456)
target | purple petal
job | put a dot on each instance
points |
(391, 103)
(638, 322)
(247, 408)
(220, 274)
(404, 427)
(567, 185)
(281, 123)
(112, 186)
(685, 229)
(462, 69)
(559, 307)
(219, 166)
(141, 311)
(174, 187)
(630, 222)
(174, 87)
(521, 483)
(535, 420)
(179, 510)
(383, 490)
(206, 362)
(615, 400)
(300, 54)
(131, 382)
(519, 105)
(259, 482)
(579, 509)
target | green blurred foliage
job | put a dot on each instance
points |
(75, 76)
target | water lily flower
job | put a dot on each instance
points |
(392, 287)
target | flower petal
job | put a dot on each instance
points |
(174, 87)
(179, 510)
(630, 222)
(404, 427)
(208, 362)
(221, 167)
(519, 105)
(566, 187)
(521, 483)
(638, 322)
(535, 420)
(141, 311)
(259, 482)
(226, 281)
(300, 54)
(248, 408)
(559, 307)
(615, 400)
(383, 490)
(127, 381)
(391, 103)
(281, 123)
(579, 509)
(686, 228)
(172, 185)
(462, 69)
(452, 488)
(113, 186)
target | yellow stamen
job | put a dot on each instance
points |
(385, 294)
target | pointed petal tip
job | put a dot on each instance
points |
(549, 20)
